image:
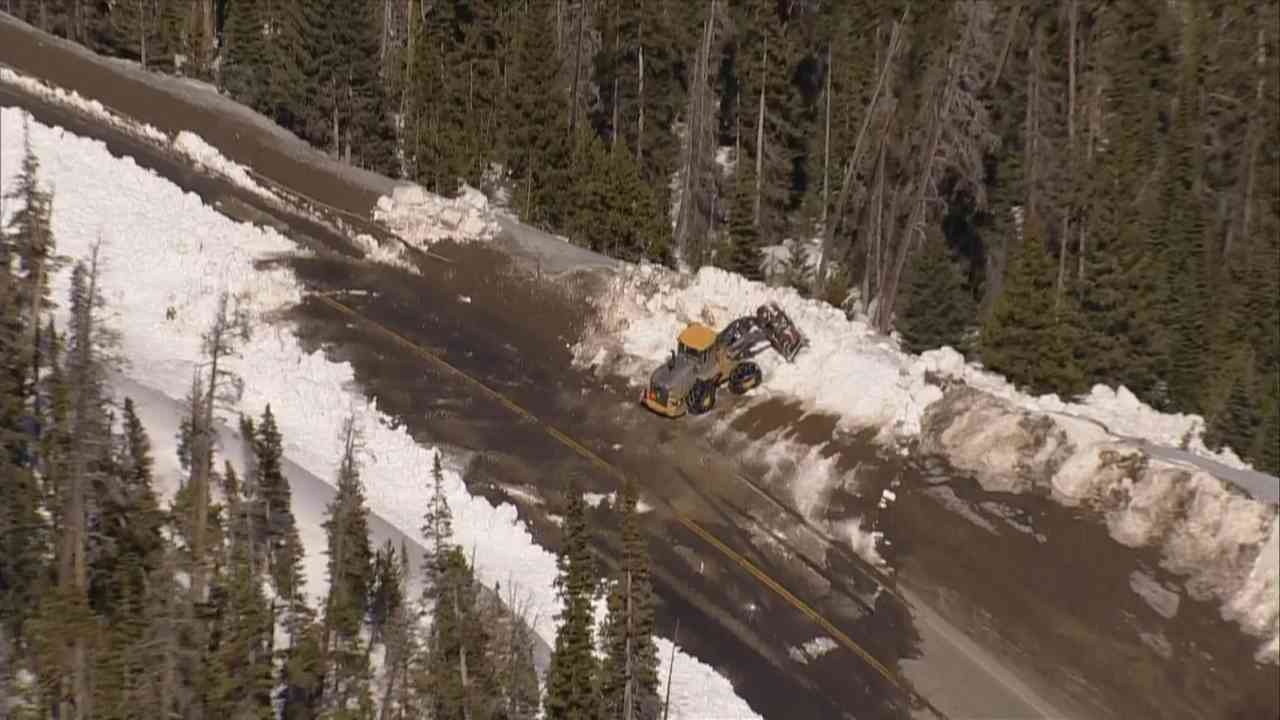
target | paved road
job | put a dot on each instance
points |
(1070, 633)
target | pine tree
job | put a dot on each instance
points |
(241, 672)
(1235, 422)
(539, 161)
(744, 255)
(1026, 340)
(398, 632)
(437, 534)
(348, 114)
(246, 56)
(629, 673)
(938, 306)
(1265, 450)
(284, 555)
(571, 692)
(460, 672)
(350, 574)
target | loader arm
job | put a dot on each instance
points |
(749, 336)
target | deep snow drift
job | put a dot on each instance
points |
(162, 248)
(1087, 452)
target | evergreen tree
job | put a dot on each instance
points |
(399, 636)
(938, 306)
(240, 682)
(539, 161)
(460, 672)
(629, 673)
(1235, 423)
(1026, 340)
(284, 556)
(246, 56)
(571, 691)
(130, 524)
(437, 534)
(350, 574)
(1265, 449)
(744, 255)
(348, 116)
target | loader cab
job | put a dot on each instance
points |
(696, 341)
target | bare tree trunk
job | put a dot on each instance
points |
(829, 230)
(671, 668)
(1253, 143)
(1090, 110)
(764, 75)
(577, 73)
(826, 144)
(873, 262)
(911, 230)
(640, 102)
(627, 693)
(694, 149)
(408, 111)
(142, 31)
(462, 661)
(1065, 239)
(1008, 43)
(1030, 130)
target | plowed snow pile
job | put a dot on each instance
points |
(1225, 542)
(163, 248)
(422, 218)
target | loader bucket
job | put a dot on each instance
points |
(783, 334)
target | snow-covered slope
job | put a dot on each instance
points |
(162, 248)
(1096, 451)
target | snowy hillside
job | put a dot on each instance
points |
(165, 249)
(1083, 452)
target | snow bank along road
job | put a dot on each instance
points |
(906, 517)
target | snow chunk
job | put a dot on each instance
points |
(422, 218)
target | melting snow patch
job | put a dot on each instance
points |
(886, 497)
(1161, 599)
(812, 650)
(595, 499)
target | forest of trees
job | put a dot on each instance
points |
(1073, 192)
(114, 605)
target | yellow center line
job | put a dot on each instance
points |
(608, 467)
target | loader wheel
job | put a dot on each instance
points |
(702, 397)
(745, 377)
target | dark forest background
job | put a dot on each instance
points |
(1073, 192)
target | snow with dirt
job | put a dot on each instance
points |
(163, 248)
(1085, 452)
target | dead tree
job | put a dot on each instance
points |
(829, 228)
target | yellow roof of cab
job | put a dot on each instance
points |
(698, 336)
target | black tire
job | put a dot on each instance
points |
(744, 377)
(702, 397)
